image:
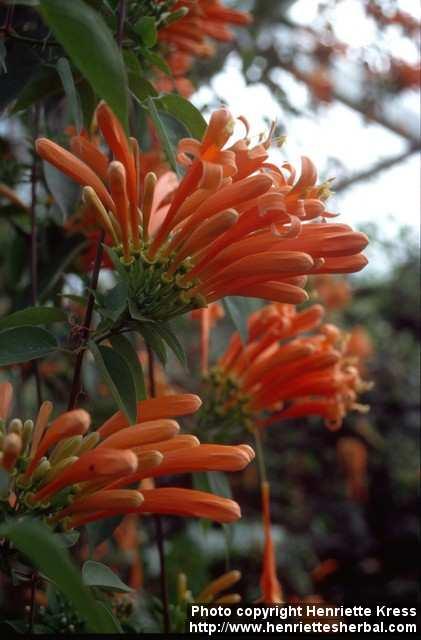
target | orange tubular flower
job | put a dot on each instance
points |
(352, 455)
(72, 477)
(334, 293)
(236, 224)
(269, 583)
(6, 397)
(208, 318)
(281, 373)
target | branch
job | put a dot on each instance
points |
(75, 390)
(366, 174)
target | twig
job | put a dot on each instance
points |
(371, 172)
(122, 13)
(9, 18)
(34, 244)
(12, 35)
(76, 384)
(158, 519)
(34, 579)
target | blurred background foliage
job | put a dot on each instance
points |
(330, 543)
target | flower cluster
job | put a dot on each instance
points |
(235, 224)
(283, 371)
(190, 37)
(69, 475)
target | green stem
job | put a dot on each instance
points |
(260, 458)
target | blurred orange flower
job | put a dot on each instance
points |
(283, 372)
(269, 583)
(190, 37)
(352, 455)
(334, 292)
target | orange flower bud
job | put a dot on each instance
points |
(71, 423)
(12, 446)
(6, 397)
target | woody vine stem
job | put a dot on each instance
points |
(158, 519)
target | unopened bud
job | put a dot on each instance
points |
(41, 470)
(12, 446)
(65, 448)
(15, 426)
(28, 428)
(89, 442)
(59, 466)
(173, 16)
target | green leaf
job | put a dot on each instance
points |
(185, 112)
(125, 348)
(213, 482)
(90, 45)
(162, 134)
(25, 343)
(141, 88)
(65, 192)
(173, 342)
(132, 62)
(153, 340)
(88, 102)
(219, 483)
(136, 313)
(43, 84)
(33, 316)
(47, 553)
(117, 374)
(96, 574)
(65, 72)
(238, 310)
(22, 64)
(69, 538)
(101, 530)
(70, 249)
(113, 302)
(113, 256)
(157, 61)
(112, 622)
(146, 29)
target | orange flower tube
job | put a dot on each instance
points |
(74, 168)
(99, 463)
(154, 409)
(189, 503)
